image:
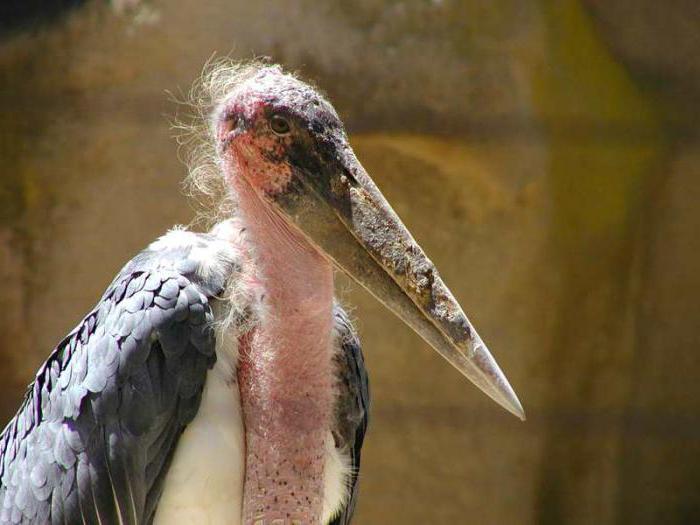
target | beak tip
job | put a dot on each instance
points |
(485, 373)
(509, 400)
(518, 411)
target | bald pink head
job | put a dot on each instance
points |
(264, 118)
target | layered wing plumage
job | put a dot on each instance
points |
(99, 424)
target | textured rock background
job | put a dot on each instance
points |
(544, 153)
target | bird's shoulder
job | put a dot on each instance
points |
(176, 271)
(118, 367)
(207, 259)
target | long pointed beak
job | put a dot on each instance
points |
(339, 208)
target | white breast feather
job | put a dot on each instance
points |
(336, 475)
(205, 482)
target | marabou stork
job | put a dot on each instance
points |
(217, 380)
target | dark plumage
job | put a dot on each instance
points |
(352, 407)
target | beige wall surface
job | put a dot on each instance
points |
(544, 153)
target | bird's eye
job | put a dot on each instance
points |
(279, 125)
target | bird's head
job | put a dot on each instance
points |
(273, 126)
(286, 142)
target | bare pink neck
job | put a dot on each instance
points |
(285, 372)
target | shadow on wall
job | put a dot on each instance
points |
(545, 154)
(17, 16)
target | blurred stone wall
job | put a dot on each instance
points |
(544, 153)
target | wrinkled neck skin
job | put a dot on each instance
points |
(284, 370)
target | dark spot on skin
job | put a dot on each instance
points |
(229, 120)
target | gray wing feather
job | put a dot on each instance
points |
(98, 426)
(352, 406)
